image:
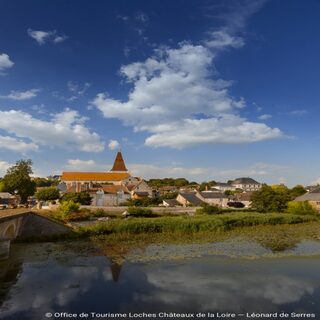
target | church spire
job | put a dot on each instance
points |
(119, 164)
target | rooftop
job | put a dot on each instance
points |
(172, 202)
(94, 176)
(212, 195)
(6, 195)
(192, 198)
(313, 195)
(245, 181)
(110, 188)
(119, 164)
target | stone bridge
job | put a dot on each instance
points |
(25, 223)
(10, 224)
(20, 224)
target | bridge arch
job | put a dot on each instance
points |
(10, 231)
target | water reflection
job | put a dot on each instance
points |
(91, 283)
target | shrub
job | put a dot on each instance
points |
(302, 208)
(99, 213)
(139, 212)
(208, 209)
(235, 204)
(144, 202)
(67, 208)
(78, 216)
(83, 197)
(51, 193)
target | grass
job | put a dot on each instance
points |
(190, 225)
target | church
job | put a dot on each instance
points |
(81, 181)
(109, 188)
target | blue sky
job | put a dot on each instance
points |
(198, 89)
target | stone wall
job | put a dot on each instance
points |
(173, 210)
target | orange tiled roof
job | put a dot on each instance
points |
(94, 176)
(110, 188)
(114, 188)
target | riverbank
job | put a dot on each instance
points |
(191, 224)
(185, 228)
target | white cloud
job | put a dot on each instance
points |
(4, 166)
(142, 17)
(39, 108)
(220, 39)
(265, 117)
(76, 90)
(75, 162)
(65, 129)
(59, 39)
(230, 129)
(122, 17)
(82, 165)
(176, 99)
(5, 62)
(21, 95)
(17, 145)
(113, 145)
(42, 37)
(298, 112)
(218, 291)
(234, 15)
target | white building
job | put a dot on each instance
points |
(246, 184)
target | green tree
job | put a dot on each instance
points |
(170, 195)
(43, 182)
(297, 191)
(270, 199)
(17, 179)
(181, 182)
(83, 197)
(204, 186)
(301, 207)
(50, 193)
(2, 186)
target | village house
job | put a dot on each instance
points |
(213, 198)
(7, 199)
(246, 184)
(189, 199)
(171, 203)
(140, 190)
(244, 197)
(313, 197)
(109, 195)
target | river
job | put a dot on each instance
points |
(68, 280)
